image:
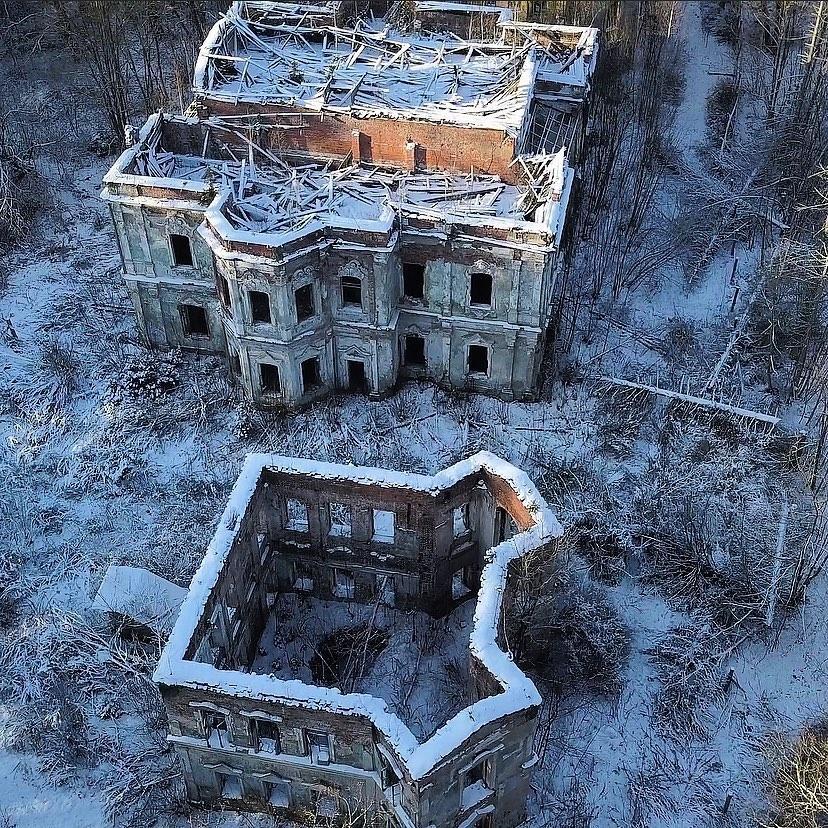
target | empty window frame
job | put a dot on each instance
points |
(311, 375)
(305, 306)
(357, 378)
(340, 519)
(264, 546)
(343, 586)
(460, 520)
(351, 291)
(327, 806)
(414, 350)
(459, 585)
(235, 361)
(278, 794)
(480, 289)
(269, 378)
(504, 526)
(319, 747)
(224, 292)
(268, 738)
(478, 360)
(230, 785)
(302, 577)
(413, 280)
(297, 515)
(215, 727)
(182, 251)
(259, 306)
(479, 772)
(194, 320)
(383, 525)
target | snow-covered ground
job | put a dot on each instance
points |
(421, 670)
(91, 476)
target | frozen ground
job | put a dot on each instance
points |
(421, 671)
(91, 476)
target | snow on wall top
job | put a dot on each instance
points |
(518, 691)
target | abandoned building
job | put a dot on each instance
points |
(355, 200)
(340, 650)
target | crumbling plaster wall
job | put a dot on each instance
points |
(157, 286)
(373, 333)
(354, 769)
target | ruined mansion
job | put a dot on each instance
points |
(359, 193)
(341, 654)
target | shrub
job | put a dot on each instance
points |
(719, 105)
(562, 630)
(148, 375)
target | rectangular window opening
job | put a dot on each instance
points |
(231, 786)
(343, 584)
(459, 586)
(194, 320)
(268, 736)
(357, 379)
(326, 805)
(413, 280)
(414, 350)
(302, 577)
(182, 252)
(311, 375)
(351, 291)
(297, 516)
(259, 306)
(215, 729)
(224, 291)
(478, 359)
(278, 794)
(305, 307)
(480, 292)
(383, 525)
(319, 747)
(460, 523)
(269, 376)
(340, 519)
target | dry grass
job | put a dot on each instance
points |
(798, 785)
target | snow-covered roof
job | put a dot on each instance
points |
(518, 693)
(139, 595)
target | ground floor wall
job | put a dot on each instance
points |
(242, 781)
(484, 782)
(166, 319)
(487, 357)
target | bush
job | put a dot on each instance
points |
(720, 104)
(601, 546)
(688, 662)
(564, 631)
(21, 196)
(149, 375)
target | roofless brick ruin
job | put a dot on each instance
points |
(360, 192)
(340, 650)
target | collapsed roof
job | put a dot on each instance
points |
(298, 55)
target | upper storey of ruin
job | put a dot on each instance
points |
(404, 84)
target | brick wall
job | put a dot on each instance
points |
(387, 140)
